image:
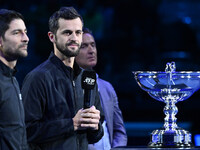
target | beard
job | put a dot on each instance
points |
(15, 54)
(66, 51)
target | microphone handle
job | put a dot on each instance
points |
(87, 94)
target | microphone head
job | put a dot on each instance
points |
(88, 80)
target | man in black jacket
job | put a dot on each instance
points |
(13, 44)
(53, 96)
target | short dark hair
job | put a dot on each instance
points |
(87, 30)
(6, 16)
(67, 13)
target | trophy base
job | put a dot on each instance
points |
(177, 138)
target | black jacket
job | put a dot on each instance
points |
(52, 95)
(12, 125)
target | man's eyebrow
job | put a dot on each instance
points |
(67, 30)
(18, 30)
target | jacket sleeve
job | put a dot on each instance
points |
(40, 130)
(119, 131)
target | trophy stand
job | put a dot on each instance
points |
(170, 136)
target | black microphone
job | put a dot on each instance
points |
(88, 82)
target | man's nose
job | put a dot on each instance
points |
(25, 37)
(90, 48)
(73, 36)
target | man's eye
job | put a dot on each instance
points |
(93, 45)
(83, 46)
(15, 33)
(79, 33)
(68, 33)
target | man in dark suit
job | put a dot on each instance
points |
(114, 131)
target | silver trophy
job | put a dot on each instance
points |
(169, 87)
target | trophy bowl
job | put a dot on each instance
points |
(169, 87)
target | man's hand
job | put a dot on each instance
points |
(87, 119)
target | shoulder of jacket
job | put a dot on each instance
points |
(101, 81)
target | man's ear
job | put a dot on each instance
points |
(51, 36)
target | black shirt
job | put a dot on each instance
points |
(52, 96)
(12, 126)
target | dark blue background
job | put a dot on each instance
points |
(131, 35)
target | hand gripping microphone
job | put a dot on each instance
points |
(88, 82)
